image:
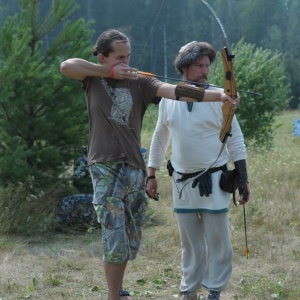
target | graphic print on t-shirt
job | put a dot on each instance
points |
(122, 106)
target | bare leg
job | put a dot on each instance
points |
(114, 274)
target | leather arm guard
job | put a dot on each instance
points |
(241, 169)
(184, 90)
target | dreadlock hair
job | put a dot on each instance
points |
(104, 44)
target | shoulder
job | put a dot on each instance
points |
(149, 81)
(90, 81)
(165, 102)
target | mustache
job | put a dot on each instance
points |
(202, 79)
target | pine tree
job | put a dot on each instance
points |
(43, 118)
(43, 115)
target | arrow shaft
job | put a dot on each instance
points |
(191, 82)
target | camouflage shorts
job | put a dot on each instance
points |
(120, 205)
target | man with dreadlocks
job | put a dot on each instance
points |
(202, 213)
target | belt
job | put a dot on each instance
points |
(185, 176)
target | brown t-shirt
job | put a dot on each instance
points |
(116, 109)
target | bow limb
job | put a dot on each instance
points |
(229, 80)
(230, 90)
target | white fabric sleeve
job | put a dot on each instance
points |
(160, 140)
(235, 143)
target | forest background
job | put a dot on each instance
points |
(159, 28)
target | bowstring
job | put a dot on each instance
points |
(148, 112)
(151, 31)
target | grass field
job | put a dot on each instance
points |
(68, 265)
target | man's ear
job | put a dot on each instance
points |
(101, 57)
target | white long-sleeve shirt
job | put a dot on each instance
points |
(195, 146)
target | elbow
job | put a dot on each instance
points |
(70, 69)
(64, 67)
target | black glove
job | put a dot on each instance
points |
(241, 169)
(205, 183)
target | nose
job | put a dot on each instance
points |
(205, 71)
(125, 60)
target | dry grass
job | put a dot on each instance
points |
(68, 265)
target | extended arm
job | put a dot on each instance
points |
(184, 92)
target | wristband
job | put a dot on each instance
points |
(112, 72)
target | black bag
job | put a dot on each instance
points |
(170, 168)
(229, 181)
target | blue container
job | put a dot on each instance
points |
(145, 154)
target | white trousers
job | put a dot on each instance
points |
(206, 251)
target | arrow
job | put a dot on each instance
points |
(206, 85)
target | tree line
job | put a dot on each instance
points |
(160, 27)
